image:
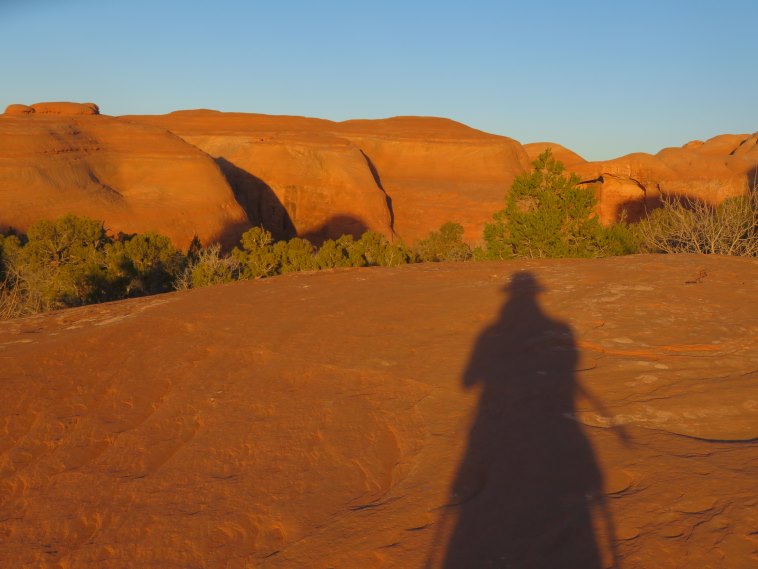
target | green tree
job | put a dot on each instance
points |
(295, 255)
(143, 264)
(335, 253)
(257, 256)
(444, 245)
(64, 261)
(548, 214)
(373, 249)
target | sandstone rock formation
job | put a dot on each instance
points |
(402, 177)
(567, 413)
(437, 170)
(406, 174)
(54, 109)
(561, 153)
(64, 158)
(710, 171)
(291, 173)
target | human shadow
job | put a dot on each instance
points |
(528, 488)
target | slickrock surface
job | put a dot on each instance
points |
(573, 413)
(134, 177)
(407, 174)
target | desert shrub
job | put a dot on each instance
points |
(63, 262)
(14, 301)
(8, 300)
(396, 254)
(444, 245)
(373, 249)
(294, 255)
(8, 244)
(209, 267)
(155, 261)
(690, 226)
(142, 264)
(257, 256)
(193, 250)
(547, 214)
(335, 253)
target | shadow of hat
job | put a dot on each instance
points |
(523, 282)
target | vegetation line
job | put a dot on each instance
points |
(74, 261)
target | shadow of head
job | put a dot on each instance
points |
(523, 283)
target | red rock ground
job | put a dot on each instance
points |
(572, 413)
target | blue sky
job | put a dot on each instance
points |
(603, 78)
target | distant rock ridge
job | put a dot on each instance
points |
(61, 108)
(402, 176)
(630, 186)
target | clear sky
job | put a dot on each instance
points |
(602, 77)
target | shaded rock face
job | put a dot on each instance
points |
(403, 176)
(135, 178)
(566, 413)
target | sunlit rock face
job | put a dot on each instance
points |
(402, 177)
(630, 186)
(215, 174)
(65, 158)
(61, 108)
(578, 413)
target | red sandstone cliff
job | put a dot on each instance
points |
(407, 174)
(134, 177)
(215, 174)
(711, 171)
